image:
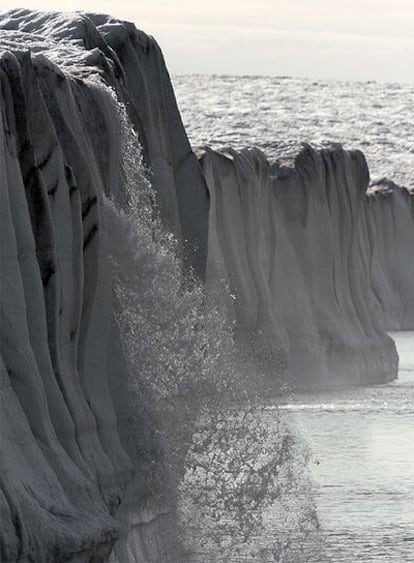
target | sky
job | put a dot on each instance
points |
(326, 39)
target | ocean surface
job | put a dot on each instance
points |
(362, 464)
(357, 473)
(277, 114)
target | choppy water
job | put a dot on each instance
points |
(276, 114)
(362, 463)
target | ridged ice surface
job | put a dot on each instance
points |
(277, 114)
(63, 464)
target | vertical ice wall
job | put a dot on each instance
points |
(62, 364)
(292, 241)
(64, 468)
(131, 62)
(388, 229)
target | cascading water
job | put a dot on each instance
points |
(233, 474)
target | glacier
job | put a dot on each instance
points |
(317, 269)
(318, 266)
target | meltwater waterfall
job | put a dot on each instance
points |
(187, 391)
(153, 299)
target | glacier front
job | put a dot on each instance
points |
(317, 268)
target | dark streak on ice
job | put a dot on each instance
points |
(90, 236)
(45, 161)
(47, 273)
(53, 189)
(87, 206)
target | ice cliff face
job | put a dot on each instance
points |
(60, 153)
(297, 242)
(131, 63)
(64, 469)
(307, 254)
(388, 231)
(63, 466)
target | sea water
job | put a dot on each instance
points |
(277, 114)
(359, 439)
(360, 456)
(362, 453)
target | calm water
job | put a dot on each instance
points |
(362, 464)
(276, 114)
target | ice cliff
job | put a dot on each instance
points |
(319, 265)
(64, 468)
(317, 269)
(388, 229)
